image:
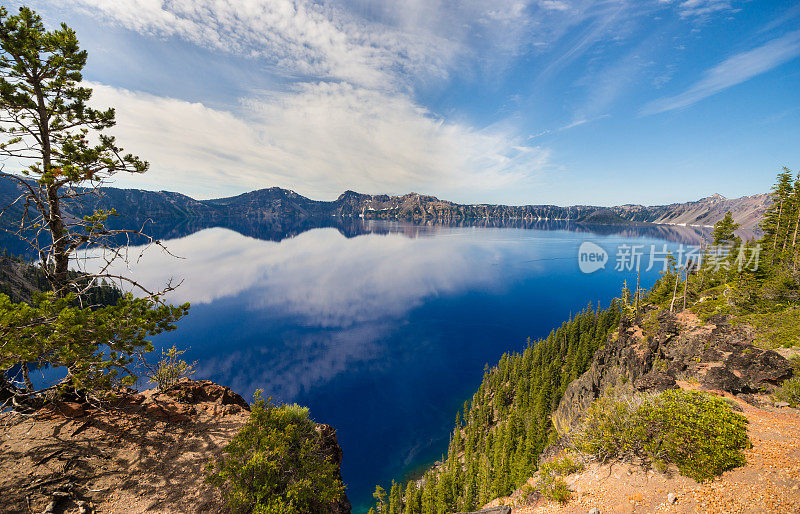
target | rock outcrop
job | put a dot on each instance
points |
(331, 448)
(139, 452)
(653, 358)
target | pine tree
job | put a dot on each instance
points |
(725, 230)
(380, 498)
(775, 223)
(395, 499)
(411, 499)
(64, 155)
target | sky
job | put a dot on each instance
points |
(510, 101)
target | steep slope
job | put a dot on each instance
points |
(768, 482)
(746, 210)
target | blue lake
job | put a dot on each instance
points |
(382, 331)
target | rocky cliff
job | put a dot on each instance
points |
(654, 355)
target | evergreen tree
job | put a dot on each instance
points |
(775, 223)
(380, 498)
(395, 499)
(48, 127)
(411, 499)
(724, 230)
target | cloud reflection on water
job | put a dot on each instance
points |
(321, 277)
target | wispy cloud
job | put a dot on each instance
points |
(732, 71)
(369, 44)
(701, 8)
(298, 37)
(582, 121)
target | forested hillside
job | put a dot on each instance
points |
(498, 438)
(501, 432)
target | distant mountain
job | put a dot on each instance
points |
(281, 204)
(746, 210)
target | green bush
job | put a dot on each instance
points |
(170, 369)
(276, 464)
(558, 491)
(699, 433)
(551, 485)
(789, 392)
(562, 466)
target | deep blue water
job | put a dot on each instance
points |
(385, 333)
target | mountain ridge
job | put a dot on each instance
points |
(276, 202)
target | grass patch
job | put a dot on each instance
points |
(699, 433)
(778, 329)
(558, 491)
(712, 301)
(551, 484)
(788, 392)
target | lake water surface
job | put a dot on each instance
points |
(382, 331)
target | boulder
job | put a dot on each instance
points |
(722, 379)
(655, 382)
(197, 391)
(758, 368)
(169, 411)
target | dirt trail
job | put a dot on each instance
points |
(149, 459)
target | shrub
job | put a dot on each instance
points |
(170, 369)
(789, 392)
(551, 485)
(562, 466)
(699, 433)
(558, 491)
(276, 464)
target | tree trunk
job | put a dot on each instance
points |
(59, 252)
(59, 276)
(778, 225)
(685, 288)
(794, 240)
(674, 292)
(26, 377)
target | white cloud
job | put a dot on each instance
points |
(318, 139)
(700, 9)
(312, 275)
(703, 8)
(732, 71)
(556, 5)
(582, 121)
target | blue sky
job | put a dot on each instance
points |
(511, 101)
